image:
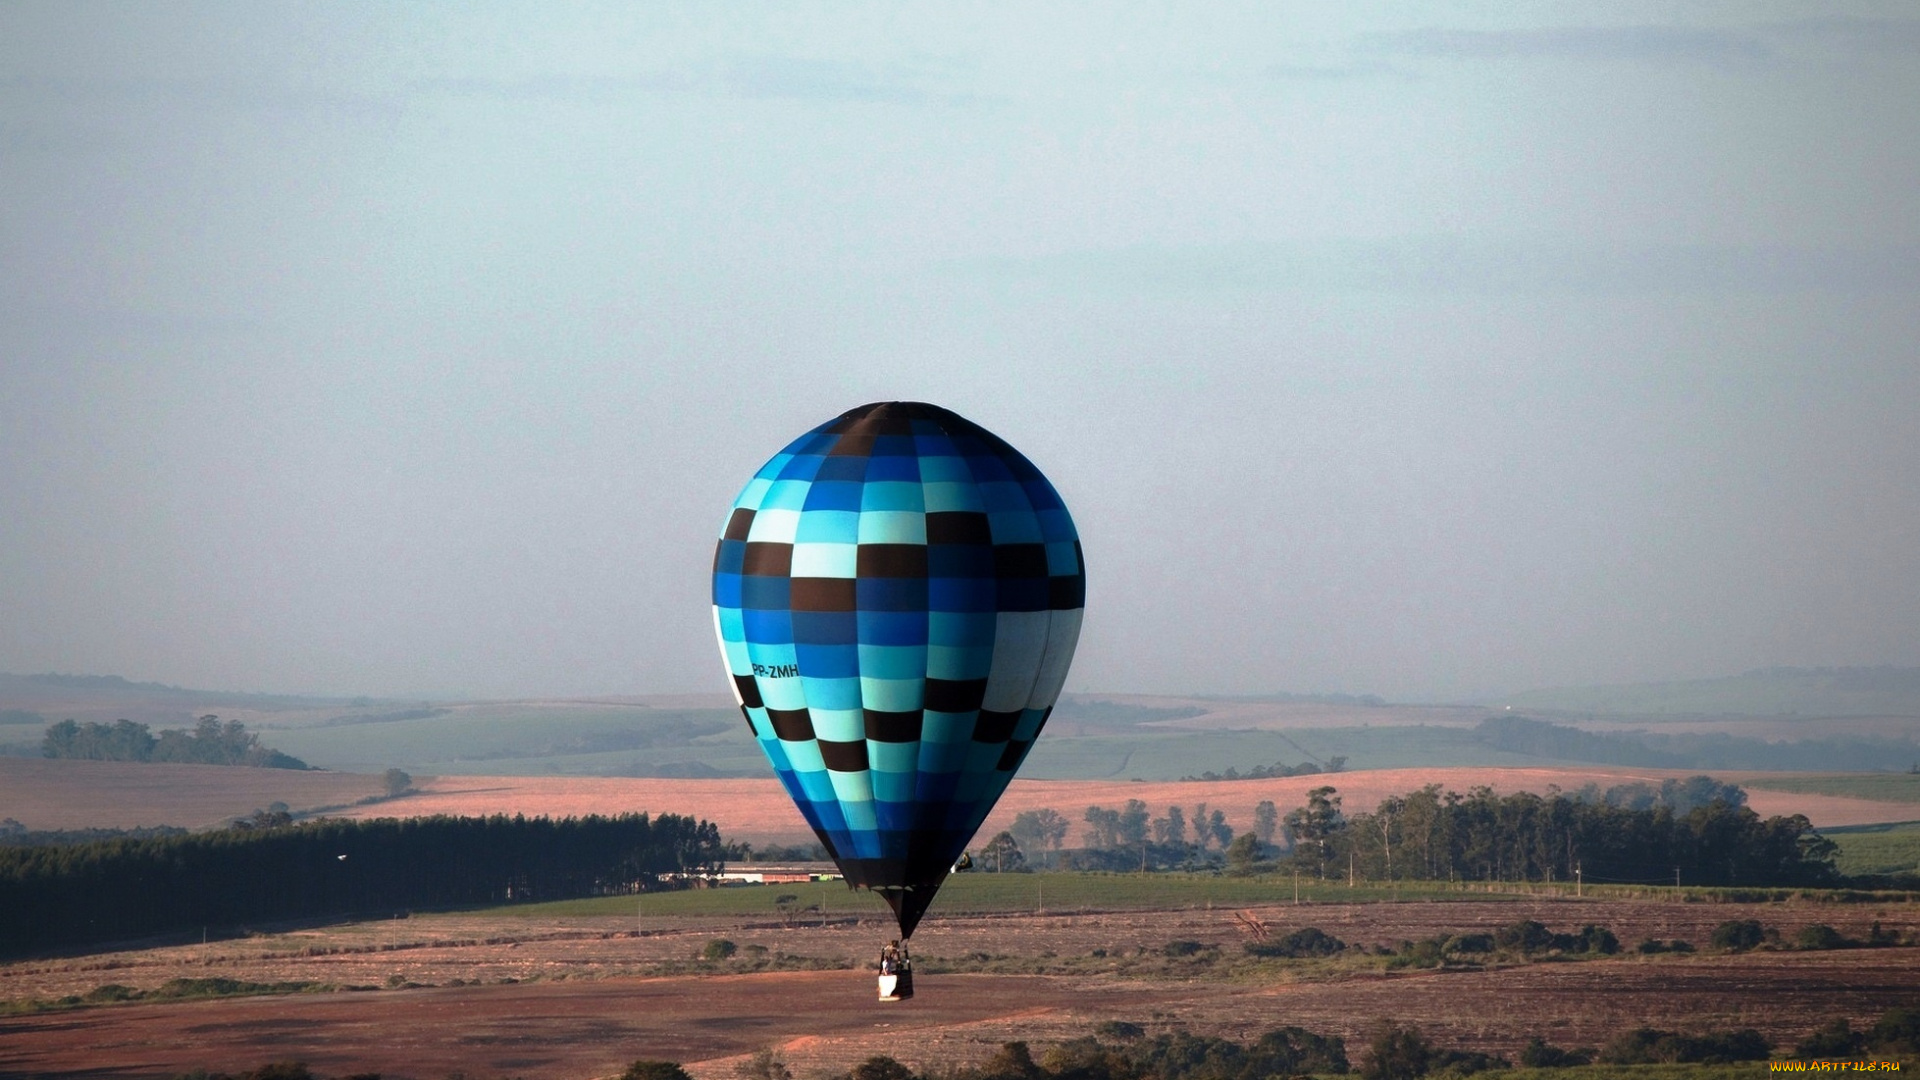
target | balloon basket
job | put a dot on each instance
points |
(897, 985)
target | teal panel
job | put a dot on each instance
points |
(829, 527)
(838, 725)
(894, 662)
(892, 759)
(832, 693)
(825, 560)
(945, 497)
(893, 495)
(893, 527)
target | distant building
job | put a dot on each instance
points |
(771, 875)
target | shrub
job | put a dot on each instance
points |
(1182, 948)
(1897, 1032)
(1465, 1062)
(1013, 1061)
(1419, 954)
(1525, 936)
(1738, 935)
(1528, 937)
(1081, 1059)
(880, 1067)
(655, 1070)
(1183, 1055)
(1396, 1053)
(1291, 1050)
(1821, 936)
(718, 949)
(1836, 1040)
(1648, 1046)
(1541, 1054)
(1596, 939)
(1307, 941)
(1119, 1030)
(1470, 943)
(763, 1065)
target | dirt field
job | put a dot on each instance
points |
(492, 996)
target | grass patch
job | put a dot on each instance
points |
(171, 990)
(1026, 894)
(1879, 787)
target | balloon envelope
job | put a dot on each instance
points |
(897, 595)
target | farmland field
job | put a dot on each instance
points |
(605, 738)
(538, 992)
(1090, 736)
(44, 794)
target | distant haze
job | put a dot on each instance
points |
(1428, 351)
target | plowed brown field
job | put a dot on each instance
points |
(580, 1004)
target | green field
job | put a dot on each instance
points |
(987, 894)
(1877, 849)
(1881, 787)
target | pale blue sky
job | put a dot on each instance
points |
(1407, 350)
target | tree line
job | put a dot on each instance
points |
(15, 834)
(1480, 836)
(1127, 838)
(1279, 770)
(209, 742)
(55, 896)
(1697, 831)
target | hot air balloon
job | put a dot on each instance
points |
(897, 596)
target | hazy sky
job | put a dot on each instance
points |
(420, 349)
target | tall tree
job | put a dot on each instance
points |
(1266, 820)
(1314, 827)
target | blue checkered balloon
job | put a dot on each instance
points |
(897, 594)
